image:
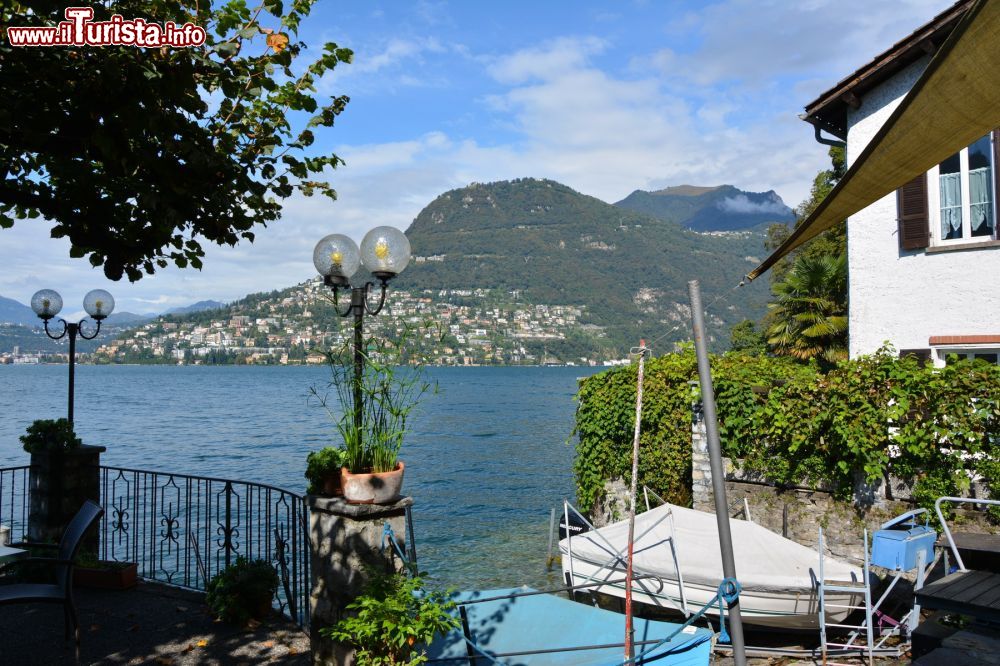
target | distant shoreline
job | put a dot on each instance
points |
(308, 365)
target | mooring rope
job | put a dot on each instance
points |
(389, 535)
(682, 324)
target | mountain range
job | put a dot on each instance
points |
(723, 208)
(548, 243)
(541, 242)
(14, 312)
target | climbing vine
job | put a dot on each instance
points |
(867, 419)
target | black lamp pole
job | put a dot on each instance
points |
(72, 330)
(47, 303)
(359, 307)
(385, 252)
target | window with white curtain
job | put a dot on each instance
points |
(964, 199)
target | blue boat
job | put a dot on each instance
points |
(522, 627)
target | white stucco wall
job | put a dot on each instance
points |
(906, 297)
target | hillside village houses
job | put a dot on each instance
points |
(923, 262)
(286, 330)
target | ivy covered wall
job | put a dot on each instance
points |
(868, 418)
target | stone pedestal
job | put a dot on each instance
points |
(344, 540)
(59, 483)
(701, 464)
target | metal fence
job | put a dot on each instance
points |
(182, 529)
(14, 501)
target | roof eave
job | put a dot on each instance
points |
(829, 110)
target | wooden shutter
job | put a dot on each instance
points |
(911, 204)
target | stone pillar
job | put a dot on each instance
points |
(344, 539)
(701, 466)
(59, 482)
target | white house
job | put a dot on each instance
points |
(924, 263)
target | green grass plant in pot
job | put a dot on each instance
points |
(389, 391)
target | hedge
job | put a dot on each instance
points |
(871, 417)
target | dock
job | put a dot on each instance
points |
(975, 593)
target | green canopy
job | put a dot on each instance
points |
(955, 102)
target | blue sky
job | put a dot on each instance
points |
(607, 97)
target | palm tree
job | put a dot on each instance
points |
(808, 318)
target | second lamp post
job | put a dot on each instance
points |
(47, 303)
(385, 252)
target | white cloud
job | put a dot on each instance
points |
(546, 61)
(742, 204)
(752, 41)
(607, 135)
(396, 52)
(383, 66)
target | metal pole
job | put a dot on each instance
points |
(629, 637)
(73, 328)
(552, 530)
(358, 305)
(718, 473)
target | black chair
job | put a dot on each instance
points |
(60, 592)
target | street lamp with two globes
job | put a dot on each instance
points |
(385, 252)
(47, 303)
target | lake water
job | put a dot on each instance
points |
(486, 459)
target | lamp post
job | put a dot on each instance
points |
(47, 303)
(385, 252)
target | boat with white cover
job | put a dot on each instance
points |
(677, 564)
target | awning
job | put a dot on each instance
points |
(955, 102)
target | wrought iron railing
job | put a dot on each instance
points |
(14, 501)
(182, 529)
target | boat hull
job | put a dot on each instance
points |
(546, 630)
(784, 610)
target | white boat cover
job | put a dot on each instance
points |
(765, 561)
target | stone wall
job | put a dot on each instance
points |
(798, 513)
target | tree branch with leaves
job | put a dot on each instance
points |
(140, 156)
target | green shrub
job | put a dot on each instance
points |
(242, 591)
(393, 618)
(865, 419)
(46, 435)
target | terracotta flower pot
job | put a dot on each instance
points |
(107, 576)
(373, 487)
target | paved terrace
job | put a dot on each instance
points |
(151, 624)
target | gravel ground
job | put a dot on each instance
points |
(150, 624)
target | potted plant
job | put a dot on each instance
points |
(90, 571)
(50, 436)
(392, 621)
(323, 471)
(374, 410)
(243, 591)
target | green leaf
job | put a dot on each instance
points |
(227, 49)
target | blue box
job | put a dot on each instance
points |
(897, 547)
